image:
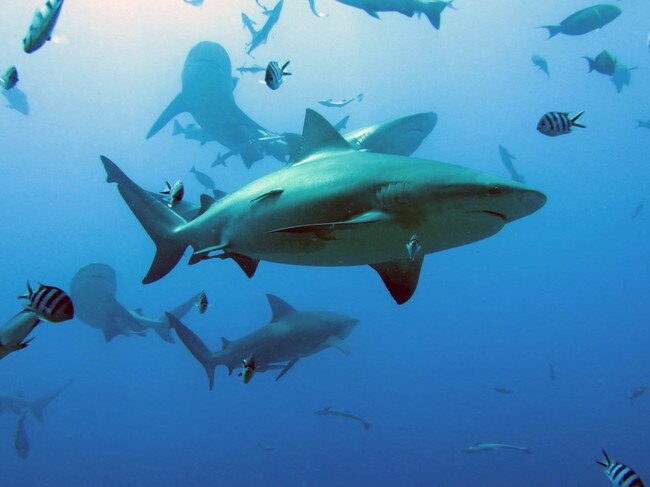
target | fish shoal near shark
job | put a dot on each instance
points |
(336, 206)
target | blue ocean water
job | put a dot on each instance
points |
(565, 286)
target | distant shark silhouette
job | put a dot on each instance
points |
(18, 404)
(432, 9)
(261, 36)
(290, 336)
(93, 289)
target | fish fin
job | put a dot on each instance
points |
(279, 308)
(400, 277)
(575, 123)
(206, 202)
(218, 194)
(342, 124)
(373, 216)
(178, 128)
(433, 10)
(110, 334)
(247, 264)
(176, 107)
(287, 368)
(157, 219)
(318, 135)
(28, 294)
(591, 63)
(367, 425)
(39, 404)
(340, 345)
(360, 97)
(553, 30)
(372, 13)
(225, 343)
(196, 347)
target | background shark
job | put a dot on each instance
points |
(18, 404)
(289, 336)
(93, 289)
(260, 36)
(406, 7)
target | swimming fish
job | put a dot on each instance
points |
(203, 178)
(638, 392)
(312, 7)
(541, 63)
(584, 21)
(9, 79)
(604, 63)
(643, 124)
(551, 372)
(202, 303)
(432, 9)
(340, 103)
(413, 247)
(484, 447)
(503, 390)
(247, 369)
(619, 474)
(558, 123)
(255, 68)
(260, 37)
(21, 443)
(175, 192)
(192, 132)
(638, 210)
(49, 303)
(344, 414)
(274, 74)
(621, 76)
(40, 30)
(507, 159)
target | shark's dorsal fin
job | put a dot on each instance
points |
(279, 308)
(319, 135)
(218, 194)
(138, 311)
(206, 202)
(225, 343)
(400, 277)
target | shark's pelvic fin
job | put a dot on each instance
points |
(400, 277)
(340, 345)
(319, 135)
(279, 308)
(372, 13)
(287, 368)
(176, 107)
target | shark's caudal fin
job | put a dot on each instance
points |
(196, 347)
(39, 404)
(553, 30)
(400, 277)
(176, 107)
(156, 217)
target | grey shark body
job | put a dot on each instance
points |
(432, 9)
(337, 206)
(14, 333)
(290, 336)
(485, 447)
(93, 290)
(17, 404)
(261, 36)
(343, 414)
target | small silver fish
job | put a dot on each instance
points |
(274, 74)
(413, 247)
(49, 303)
(247, 369)
(558, 123)
(202, 303)
(175, 192)
(9, 79)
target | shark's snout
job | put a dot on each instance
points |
(509, 202)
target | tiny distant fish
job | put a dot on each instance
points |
(247, 369)
(49, 303)
(619, 474)
(485, 447)
(551, 372)
(21, 443)
(503, 390)
(40, 30)
(541, 63)
(266, 447)
(340, 103)
(648, 42)
(638, 210)
(274, 74)
(413, 247)
(9, 79)
(638, 392)
(203, 178)
(202, 303)
(558, 123)
(255, 68)
(175, 192)
(643, 124)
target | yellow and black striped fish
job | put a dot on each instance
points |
(619, 474)
(49, 303)
(558, 123)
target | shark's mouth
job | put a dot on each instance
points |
(496, 213)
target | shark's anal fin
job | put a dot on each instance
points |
(287, 368)
(400, 277)
(340, 345)
(176, 107)
(279, 307)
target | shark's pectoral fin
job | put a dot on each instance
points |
(340, 345)
(287, 368)
(176, 107)
(373, 216)
(400, 277)
(372, 13)
(110, 334)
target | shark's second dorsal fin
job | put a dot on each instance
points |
(225, 343)
(319, 135)
(279, 308)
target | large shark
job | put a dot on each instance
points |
(18, 404)
(260, 36)
(93, 291)
(432, 9)
(207, 94)
(290, 336)
(336, 206)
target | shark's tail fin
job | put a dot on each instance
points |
(367, 425)
(592, 65)
(178, 128)
(39, 404)
(160, 221)
(196, 347)
(433, 10)
(553, 30)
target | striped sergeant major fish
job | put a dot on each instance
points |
(174, 192)
(619, 474)
(40, 30)
(558, 123)
(9, 79)
(49, 303)
(274, 74)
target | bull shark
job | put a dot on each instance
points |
(336, 206)
(14, 332)
(17, 404)
(93, 291)
(290, 336)
(207, 94)
(484, 447)
(260, 36)
(432, 9)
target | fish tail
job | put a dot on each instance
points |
(160, 222)
(28, 294)
(553, 30)
(196, 347)
(591, 63)
(575, 123)
(367, 426)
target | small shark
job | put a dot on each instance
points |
(638, 392)
(14, 332)
(344, 414)
(18, 404)
(507, 159)
(638, 210)
(340, 103)
(290, 336)
(484, 447)
(432, 10)
(336, 206)
(260, 36)
(93, 289)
